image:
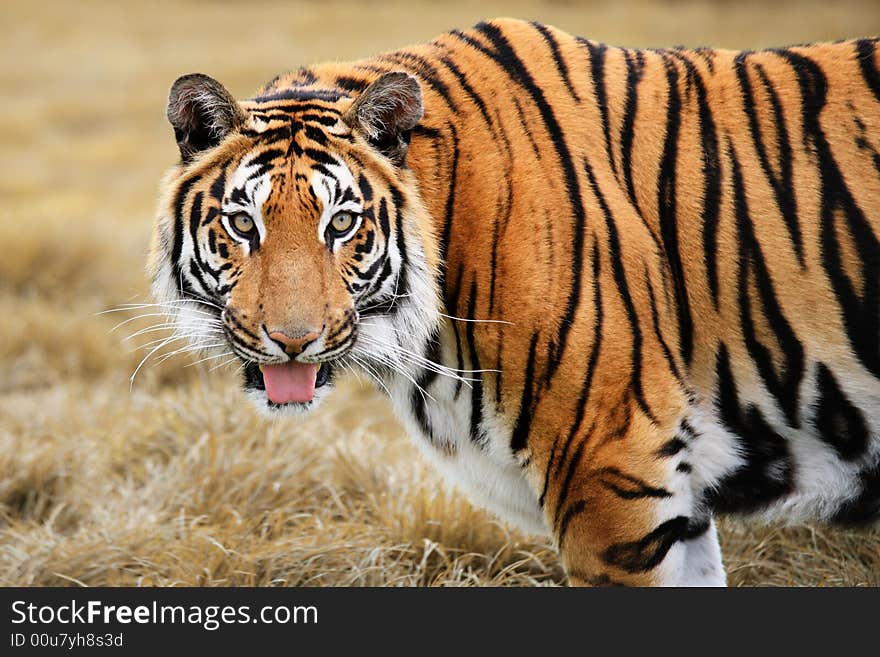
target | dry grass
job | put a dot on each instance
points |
(177, 481)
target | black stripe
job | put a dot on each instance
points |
(781, 185)
(468, 89)
(526, 128)
(668, 207)
(284, 111)
(546, 485)
(366, 188)
(768, 471)
(177, 237)
(379, 282)
(452, 303)
(573, 510)
(685, 427)
(597, 580)
(347, 83)
(477, 434)
(315, 134)
(232, 319)
(417, 399)
(840, 424)
(865, 51)
(402, 285)
(634, 70)
(628, 487)
(711, 171)
(329, 120)
(784, 383)
(561, 66)
(196, 264)
(501, 216)
(623, 289)
(450, 206)
(597, 71)
(426, 131)
(321, 157)
(367, 245)
(655, 319)
(219, 185)
(210, 216)
(573, 464)
(264, 161)
(271, 135)
(671, 447)
(527, 403)
(295, 93)
(648, 552)
(197, 274)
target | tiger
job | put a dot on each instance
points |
(611, 293)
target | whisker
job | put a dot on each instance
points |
(476, 321)
(168, 305)
(135, 318)
(371, 373)
(192, 297)
(189, 348)
(225, 362)
(416, 355)
(423, 362)
(167, 339)
(208, 330)
(177, 334)
(393, 297)
(218, 365)
(141, 364)
(207, 358)
(392, 365)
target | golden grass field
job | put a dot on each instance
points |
(176, 481)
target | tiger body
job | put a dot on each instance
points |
(610, 292)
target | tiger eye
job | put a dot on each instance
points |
(342, 221)
(243, 224)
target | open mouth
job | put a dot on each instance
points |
(287, 383)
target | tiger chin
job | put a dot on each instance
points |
(611, 293)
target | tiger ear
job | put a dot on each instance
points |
(202, 112)
(386, 112)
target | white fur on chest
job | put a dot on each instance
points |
(488, 475)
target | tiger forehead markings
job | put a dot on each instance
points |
(611, 293)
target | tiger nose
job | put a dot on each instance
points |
(294, 346)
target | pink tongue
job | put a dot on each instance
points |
(290, 382)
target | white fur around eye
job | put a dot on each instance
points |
(324, 185)
(229, 227)
(254, 191)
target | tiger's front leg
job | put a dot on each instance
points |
(621, 507)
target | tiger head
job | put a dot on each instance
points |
(292, 235)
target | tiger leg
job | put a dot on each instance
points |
(623, 513)
(702, 564)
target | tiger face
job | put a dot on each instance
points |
(291, 219)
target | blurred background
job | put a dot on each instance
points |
(173, 480)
